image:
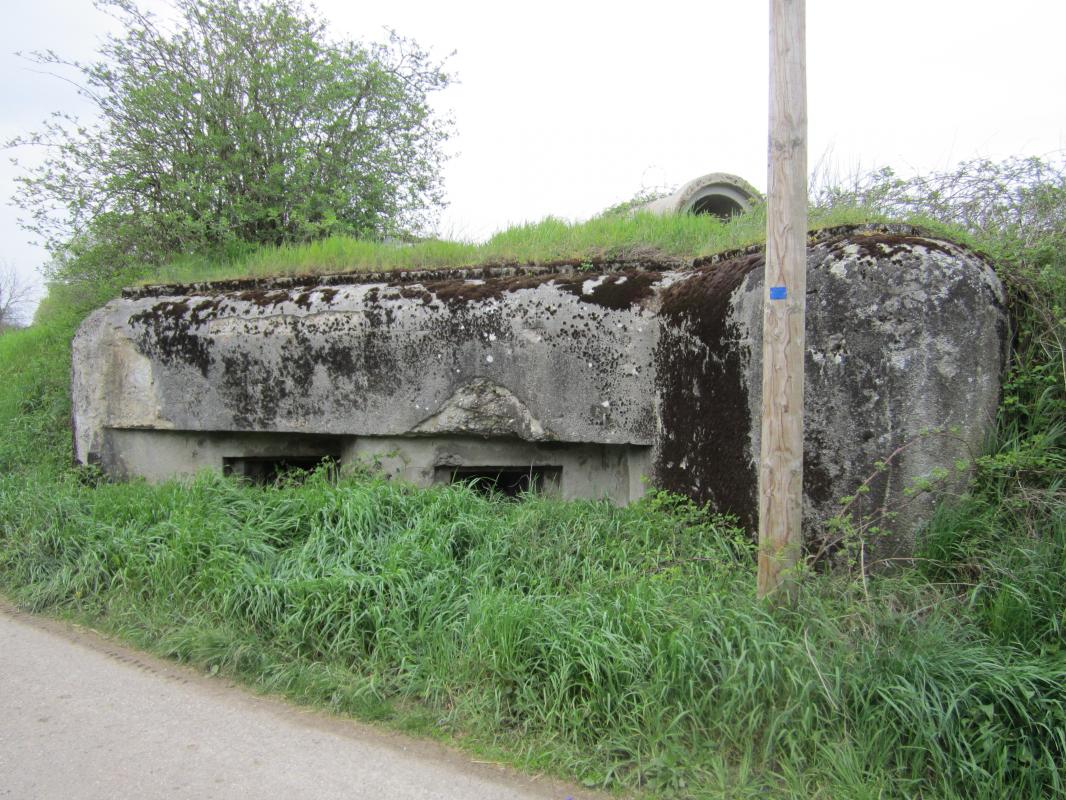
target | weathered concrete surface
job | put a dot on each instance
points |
(560, 360)
(569, 358)
(906, 343)
(611, 373)
(83, 717)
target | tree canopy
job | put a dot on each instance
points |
(237, 121)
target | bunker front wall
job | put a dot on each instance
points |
(607, 378)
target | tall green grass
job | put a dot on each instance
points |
(624, 645)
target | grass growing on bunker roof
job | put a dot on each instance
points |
(609, 236)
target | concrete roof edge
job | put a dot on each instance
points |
(487, 271)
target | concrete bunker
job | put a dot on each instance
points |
(581, 381)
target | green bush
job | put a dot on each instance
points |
(232, 123)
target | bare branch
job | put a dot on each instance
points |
(15, 295)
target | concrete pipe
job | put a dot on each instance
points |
(718, 193)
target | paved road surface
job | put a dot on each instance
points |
(84, 717)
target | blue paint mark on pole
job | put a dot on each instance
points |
(778, 293)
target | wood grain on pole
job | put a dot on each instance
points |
(784, 306)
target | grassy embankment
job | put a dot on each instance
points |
(623, 647)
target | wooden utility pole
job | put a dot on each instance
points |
(784, 306)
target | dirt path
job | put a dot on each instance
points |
(84, 717)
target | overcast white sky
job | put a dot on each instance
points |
(564, 108)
